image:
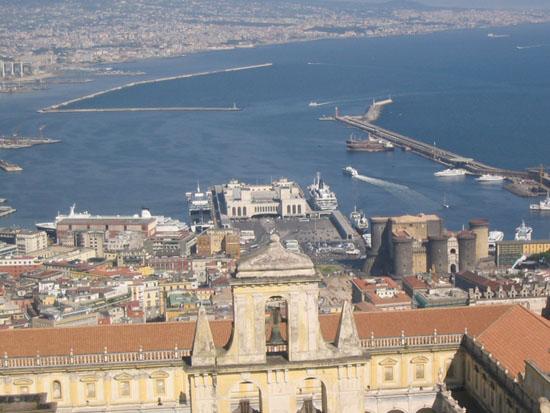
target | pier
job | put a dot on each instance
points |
(176, 108)
(428, 151)
(62, 107)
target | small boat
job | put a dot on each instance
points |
(348, 170)
(445, 204)
(451, 172)
(543, 205)
(312, 103)
(490, 178)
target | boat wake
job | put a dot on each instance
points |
(531, 46)
(402, 192)
(382, 183)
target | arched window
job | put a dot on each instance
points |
(299, 209)
(239, 211)
(56, 390)
(288, 209)
(233, 211)
(244, 211)
(294, 209)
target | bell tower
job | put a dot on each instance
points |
(274, 272)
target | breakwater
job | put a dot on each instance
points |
(62, 107)
(428, 151)
(175, 108)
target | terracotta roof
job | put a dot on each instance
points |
(418, 322)
(414, 282)
(399, 298)
(121, 338)
(518, 335)
(117, 338)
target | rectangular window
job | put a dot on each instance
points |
(419, 371)
(24, 389)
(124, 388)
(388, 373)
(90, 390)
(160, 386)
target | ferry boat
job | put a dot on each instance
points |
(494, 237)
(451, 172)
(321, 198)
(523, 232)
(348, 170)
(490, 178)
(543, 205)
(359, 221)
(200, 210)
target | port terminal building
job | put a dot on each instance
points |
(238, 200)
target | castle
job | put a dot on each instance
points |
(279, 355)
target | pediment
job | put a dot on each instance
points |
(124, 376)
(419, 360)
(23, 382)
(89, 379)
(159, 375)
(388, 362)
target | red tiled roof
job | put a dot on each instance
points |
(516, 336)
(400, 298)
(511, 333)
(414, 282)
(452, 320)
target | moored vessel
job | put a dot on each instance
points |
(200, 210)
(451, 172)
(523, 232)
(543, 205)
(359, 221)
(494, 237)
(321, 198)
(369, 144)
(490, 178)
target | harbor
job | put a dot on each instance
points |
(522, 184)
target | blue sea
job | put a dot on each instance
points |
(479, 96)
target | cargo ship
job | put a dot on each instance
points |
(369, 144)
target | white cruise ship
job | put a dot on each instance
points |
(451, 172)
(523, 232)
(490, 178)
(321, 198)
(543, 205)
(351, 171)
